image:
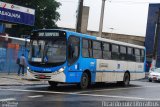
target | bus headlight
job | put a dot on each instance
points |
(59, 71)
(27, 68)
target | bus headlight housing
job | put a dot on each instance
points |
(59, 71)
(27, 68)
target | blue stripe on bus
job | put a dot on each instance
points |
(43, 69)
(122, 71)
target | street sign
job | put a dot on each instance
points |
(16, 14)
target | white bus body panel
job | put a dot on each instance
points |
(112, 70)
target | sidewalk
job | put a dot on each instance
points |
(14, 80)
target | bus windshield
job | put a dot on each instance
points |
(48, 51)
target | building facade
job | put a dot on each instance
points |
(150, 32)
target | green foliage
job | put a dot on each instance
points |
(46, 15)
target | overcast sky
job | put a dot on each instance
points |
(124, 16)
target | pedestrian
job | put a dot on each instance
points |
(22, 64)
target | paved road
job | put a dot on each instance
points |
(71, 96)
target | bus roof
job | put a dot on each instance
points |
(97, 38)
(120, 43)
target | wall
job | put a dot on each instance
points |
(9, 52)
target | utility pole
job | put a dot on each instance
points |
(156, 37)
(79, 18)
(101, 18)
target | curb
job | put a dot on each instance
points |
(30, 79)
(21, 84)
(21, 79)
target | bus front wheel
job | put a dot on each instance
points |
(84, 83)
(53, 84)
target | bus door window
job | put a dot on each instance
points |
(70, 51)
(73, 49)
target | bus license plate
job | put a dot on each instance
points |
(41, 76)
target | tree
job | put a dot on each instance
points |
(46, 15)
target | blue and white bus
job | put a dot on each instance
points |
(61, 56)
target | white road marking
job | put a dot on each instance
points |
(112, 96)
(7, 99)
(92, 95)
(115, 89)
(35, 96)
(36, 91)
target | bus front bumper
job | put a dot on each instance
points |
(55, 76)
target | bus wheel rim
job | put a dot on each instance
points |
(84, 81)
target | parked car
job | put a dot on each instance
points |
(154, 75)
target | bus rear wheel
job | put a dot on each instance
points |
(150, 79)
(84, 83)
(126, 79)
(53, 84)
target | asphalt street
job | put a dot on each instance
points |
(71, 96)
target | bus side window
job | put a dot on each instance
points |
(123, 51)
(97, 51)
(137, 55)
(106, 51)
(115, 52)
(142, 55)
(130, 54)
(87, 48)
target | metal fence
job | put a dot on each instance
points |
(8, 58)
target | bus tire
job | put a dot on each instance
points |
(126, 80)
(150, 79)
(84, 83)
(52, 84)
